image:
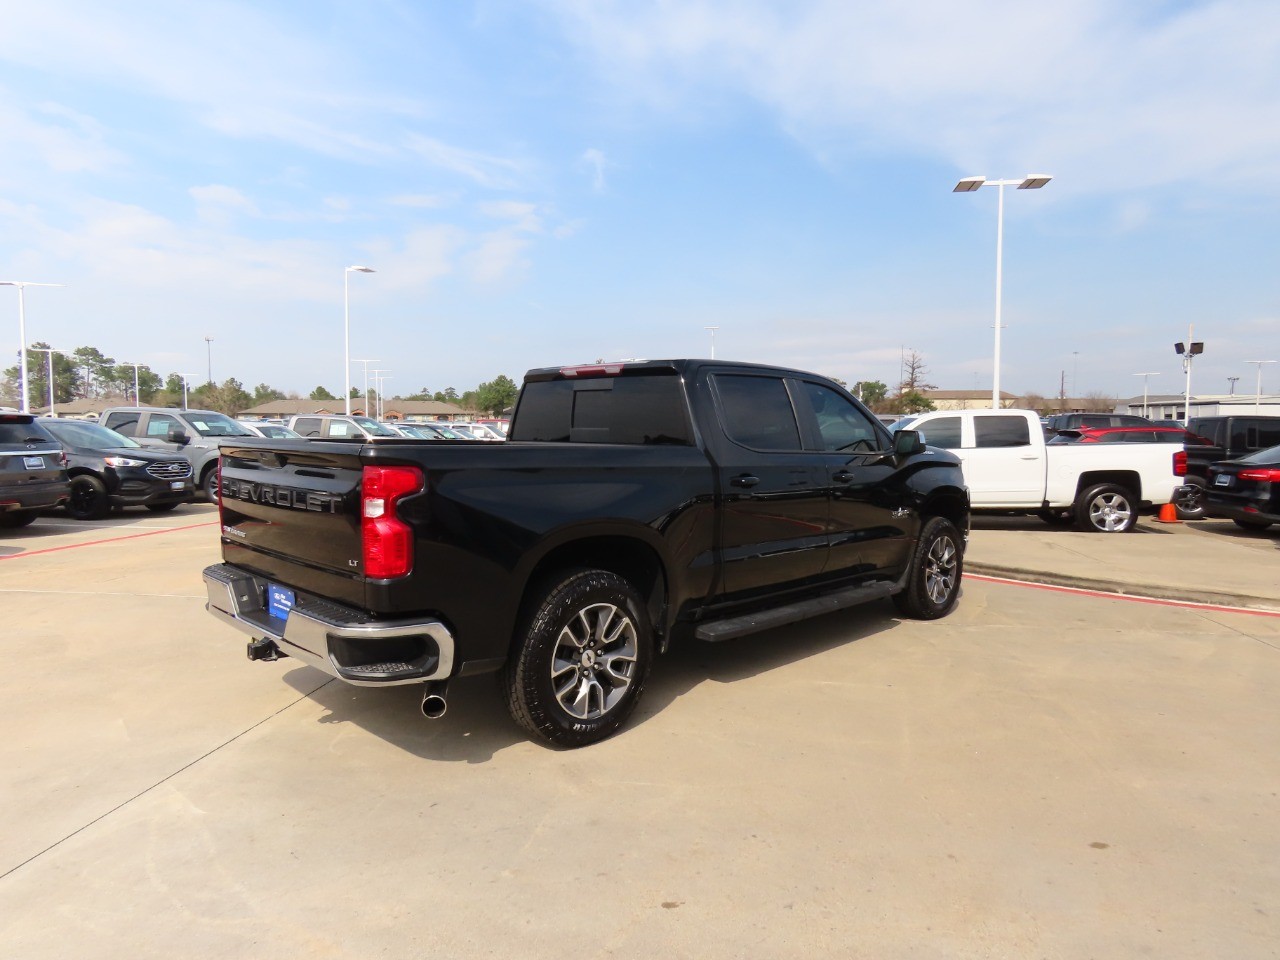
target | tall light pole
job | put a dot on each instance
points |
(22, 330)
(208, 344)
(713, 340)
(378, 380)
(185, 377)
(1145, 376)
(137, 394)
(1232, 381)
(346, 331)
(1032, 181)
(49, 351)
(1188, 350)
(1257, 395)
(366, 382)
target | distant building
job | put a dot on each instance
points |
(967, 399)
(411, 410)
(1171, 406)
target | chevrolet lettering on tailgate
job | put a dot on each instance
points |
(274, 496)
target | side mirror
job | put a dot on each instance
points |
(906, 443)
(178, 436)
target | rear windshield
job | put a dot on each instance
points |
(22, 431)
(642, 409)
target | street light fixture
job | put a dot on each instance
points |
(50, 351)
(1032, 181)
(1188, 351)
(1145, 376)
(1257, 396)
(346, 331)
(22, 330)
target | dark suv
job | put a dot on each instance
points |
(33, 470)
(109, 470)
(1211, 439)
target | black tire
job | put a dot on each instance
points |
(209, 483)
(1251, 524)
(1191, 506)
(12, 519)
(161, 507)
(582, 659)
(1106, 508)
(934, 581)
(89, 499)
(1055, 518)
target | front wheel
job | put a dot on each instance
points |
(1191, 505)
(209, 483)
(1106, 508)
(583, 658)
(89, 499)
(933, 583)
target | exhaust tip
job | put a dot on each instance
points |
(433, 706)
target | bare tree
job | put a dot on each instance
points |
(1098, 402)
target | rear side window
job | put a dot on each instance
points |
(1001, 432)
(307, 426)
(943, 432)
(1265, 434)
(757, 412)
(126, 423)
(644, 409)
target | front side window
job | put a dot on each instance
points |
(125, 423)
(307, 426)
(842, 426)
(1000, 432)
(757, 412)
(160, 424)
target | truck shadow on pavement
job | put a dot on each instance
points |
(477, 724)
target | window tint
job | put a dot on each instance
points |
(1001, 432)
(757, 412)
(1266, 434)
(1137, 436)
(307, 426)
(160, 424)
(645, 408)
(126, 423)
(23, 433)
(943, 432)
(841, 425)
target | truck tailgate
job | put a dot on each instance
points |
(291, 510)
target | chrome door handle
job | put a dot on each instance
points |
(842, 476)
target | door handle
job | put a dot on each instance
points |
(744, 480)
(842, 476)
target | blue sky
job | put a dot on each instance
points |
(556, 181)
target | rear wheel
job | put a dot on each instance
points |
(583, 659)
(1106, 508)
(89, 500)
(11, 519)
(933, 583)
(1251, 524)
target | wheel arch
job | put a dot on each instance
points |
(1131, 480)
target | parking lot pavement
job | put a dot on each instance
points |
(1036, 775)
(1204, 561)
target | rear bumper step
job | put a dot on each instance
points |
(341, 641)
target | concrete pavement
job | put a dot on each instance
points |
(1205, 561)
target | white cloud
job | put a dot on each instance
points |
(1104, 95)
(216, 203)
(488, 171)
(595, 162)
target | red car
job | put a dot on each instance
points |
(1152, 433)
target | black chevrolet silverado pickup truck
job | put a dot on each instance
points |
(633, 504)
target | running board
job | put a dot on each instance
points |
(793, 612)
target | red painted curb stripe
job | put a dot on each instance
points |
(95, 543)
(1084, 592)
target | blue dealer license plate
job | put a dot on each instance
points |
(1222, 480)
(279, 601)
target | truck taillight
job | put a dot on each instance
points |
(1180, 463)
(1269, 475)
(387, 541)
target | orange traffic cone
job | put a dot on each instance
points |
(1168, 514)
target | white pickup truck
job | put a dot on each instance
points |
(1009, 469)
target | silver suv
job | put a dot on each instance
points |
(191, 434)
(328, 426)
